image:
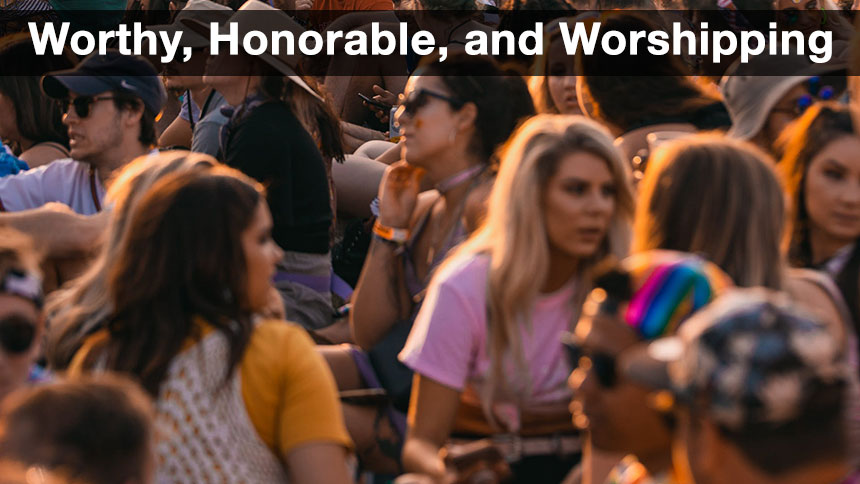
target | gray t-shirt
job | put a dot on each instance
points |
(206, 137)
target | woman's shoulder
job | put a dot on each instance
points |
(465, 271)
(44, 153)
(276, 337)
(273, 115)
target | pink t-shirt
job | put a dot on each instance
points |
(448, 342)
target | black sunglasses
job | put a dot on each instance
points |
(16, 334)
(418, 99)
(83, 104)
(602, 364)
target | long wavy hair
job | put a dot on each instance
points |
(514, 234)
(719, 198)
(82, 305)
(819, 126)
(180, 261)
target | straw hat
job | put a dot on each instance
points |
(255, 15)
(203, 11)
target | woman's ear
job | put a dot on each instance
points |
(466, 116)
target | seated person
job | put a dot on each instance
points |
(84, 431)
(485, 345)
(760, 389)
(653, 294)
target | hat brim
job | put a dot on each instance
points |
(748, 126)
(59, 85)
(277, 62)
(190, 38)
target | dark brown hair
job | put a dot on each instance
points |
(38, 118)
(181, 258)
(502, 100)
(96, 429)
(819, 126)
(127, 100)
(659, 89)
(318, 117)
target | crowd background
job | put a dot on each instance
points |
(620, 269)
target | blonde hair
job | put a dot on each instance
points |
(538, 85)
(81, 305)
(514, 233)
(719, 198)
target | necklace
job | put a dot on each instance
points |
(443, 187)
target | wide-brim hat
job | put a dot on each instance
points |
(751, 91)
(204, 11)
(255, 15)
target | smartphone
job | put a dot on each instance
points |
(373, 102)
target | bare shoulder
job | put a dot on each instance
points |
(42, 155)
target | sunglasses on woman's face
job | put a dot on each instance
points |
(817, 90)
(418, 99)
(17, 333)
(82, 104)
(602, 364)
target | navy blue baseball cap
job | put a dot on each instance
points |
(110, 72)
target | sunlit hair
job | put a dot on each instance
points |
(514, 234)
(180, 261)
(82, 305)
(819, 126)
(538, 80)
(718, 198)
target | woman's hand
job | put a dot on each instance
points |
(398, 194)
(386, 97)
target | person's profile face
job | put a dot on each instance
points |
(560, 79)
(95, 124)
(617, 415)
(832, 190)
(428, 123)
(261, 256)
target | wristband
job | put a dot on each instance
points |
(391, 234)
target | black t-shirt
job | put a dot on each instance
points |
(270, 145)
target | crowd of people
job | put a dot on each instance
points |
(235, 269)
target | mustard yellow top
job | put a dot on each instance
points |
(287, 387)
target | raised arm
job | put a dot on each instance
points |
(380, 298)
(57, 230)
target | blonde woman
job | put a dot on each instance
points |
(553, 83)
(485, 346)
(82, 305)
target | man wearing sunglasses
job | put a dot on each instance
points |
(21, 322)
(649, 295)
(760, 390)
(111, 102)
